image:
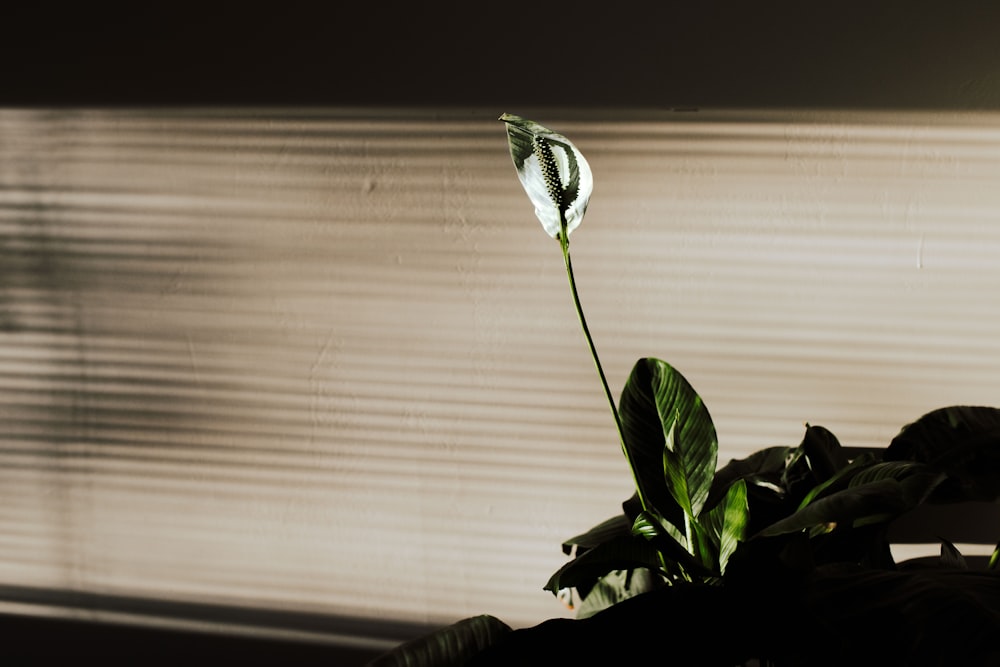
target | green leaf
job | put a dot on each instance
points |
(885, 497)
(704, 547)
(823, 452)
(654, 527)
(658, 403)
(918, 480)
(817, 460)
(615, 587)
(764, 466)
(964, 442)
(451, 646)
(951, 556)
(668, 541)
(620, 553)
(616, 526)
(887, 470)
(729, 520)
(839, 479)
(674, 472)
(554, 173)
(768, 498)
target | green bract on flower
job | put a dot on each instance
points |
(553, 172)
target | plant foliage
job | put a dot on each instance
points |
(841, 500)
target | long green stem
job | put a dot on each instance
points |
(564, 242)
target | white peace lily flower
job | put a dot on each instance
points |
(553, 172)
(559, 183)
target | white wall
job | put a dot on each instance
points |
(327, 359)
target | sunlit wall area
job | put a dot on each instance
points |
(327, 361)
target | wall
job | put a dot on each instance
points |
(327, 362)
(890, 54)
(280, 331)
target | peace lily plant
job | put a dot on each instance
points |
(781, 558)
(681, 441)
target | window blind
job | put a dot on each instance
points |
(325, 361)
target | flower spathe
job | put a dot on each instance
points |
(553, 172)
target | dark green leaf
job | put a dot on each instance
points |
(951, 556)
(615, 587)
(963, 441)
(797, 474)
(451, 646)
(764, 466)
(655, 398)
(919, 484)
(616, 526)
(654, 527)
(735, 514)
(917, 480)
(887, 470)
(824, 453)
(675, 472)
(839, 480)
(705, 547)
(633, 506)
(656, 530)
(622, 553)
(884, 497)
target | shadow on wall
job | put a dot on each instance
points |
(141, 448)
(88, 345)
(892, 54)
(38, 640)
